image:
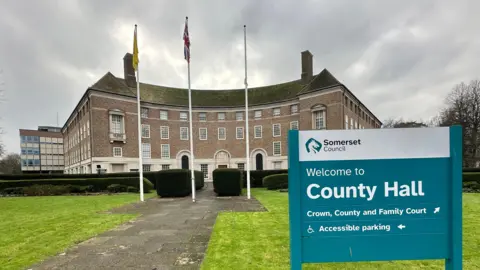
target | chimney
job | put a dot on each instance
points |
(307, 66)
(128, 71)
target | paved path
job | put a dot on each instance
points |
(169, 234)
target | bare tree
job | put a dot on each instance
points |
(400, 123)
(11, 164)
(462, 107)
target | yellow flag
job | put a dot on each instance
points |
(135, 49)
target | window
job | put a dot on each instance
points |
(319, 119)
(257, 132)
(346, 121)
(258, 114)
(202, 134)
(239, 133)
(145, 131)
(183, 133)
(117, 124)
(144, 112)
(222, 133)
(276, 130)
(294, 125)
(356, 124)
(163, 115)
(183, 116)
(146, 151)
(165, 150)
(239, 116)
(202, 116)
(241, 166)
(164, 132)
(351, 123)
(277, 148)
(146, 167)
(277, 165)
(117, 151)
(293, 109)
(221, 116)
(276, 111)
(165, 167)
(204, 170)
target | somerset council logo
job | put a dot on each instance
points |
(313, 145)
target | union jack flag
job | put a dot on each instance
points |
(186, 42)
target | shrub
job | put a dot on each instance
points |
(45, 190)
(27, 176)
(227, 182)
(77, 188)
(90, 185)
(177, 182)
(132, 189)
(256, 176)
(276, 181)
(116, 188)
(12, 191)
(471, 170)
(471, 182)
(471, 177)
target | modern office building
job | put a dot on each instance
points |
(41, 150)
(101, 132)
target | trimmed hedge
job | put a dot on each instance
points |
(471, 182)
(256, 176)
(52, 190)
(276, 181)
(94, 185)
(227, 182)
(15, 177)
(177, 182)
(45, 190)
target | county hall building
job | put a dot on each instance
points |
(101, 132)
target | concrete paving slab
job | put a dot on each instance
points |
(171, 233)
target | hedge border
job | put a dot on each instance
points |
(99, 184)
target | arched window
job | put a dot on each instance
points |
(319, 113)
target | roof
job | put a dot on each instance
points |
(40, 133)
(165, 95)
(216, 98)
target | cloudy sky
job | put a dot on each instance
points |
(400, 58)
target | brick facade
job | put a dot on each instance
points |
(85, 151)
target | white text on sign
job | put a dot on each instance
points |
(391, 189)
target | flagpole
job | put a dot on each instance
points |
(192, 156)
(140, 161)
(247, 133)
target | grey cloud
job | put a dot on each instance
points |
(52, 47)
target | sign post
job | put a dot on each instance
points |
(375, 195)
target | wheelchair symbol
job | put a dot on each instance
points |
(310, 230)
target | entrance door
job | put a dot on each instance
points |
(185, 162)
(259, 161)
(222, 166)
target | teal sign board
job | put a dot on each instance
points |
(375, 195)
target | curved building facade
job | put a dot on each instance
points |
(101, 132)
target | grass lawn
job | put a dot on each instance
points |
(261, 240)
(34, 228)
